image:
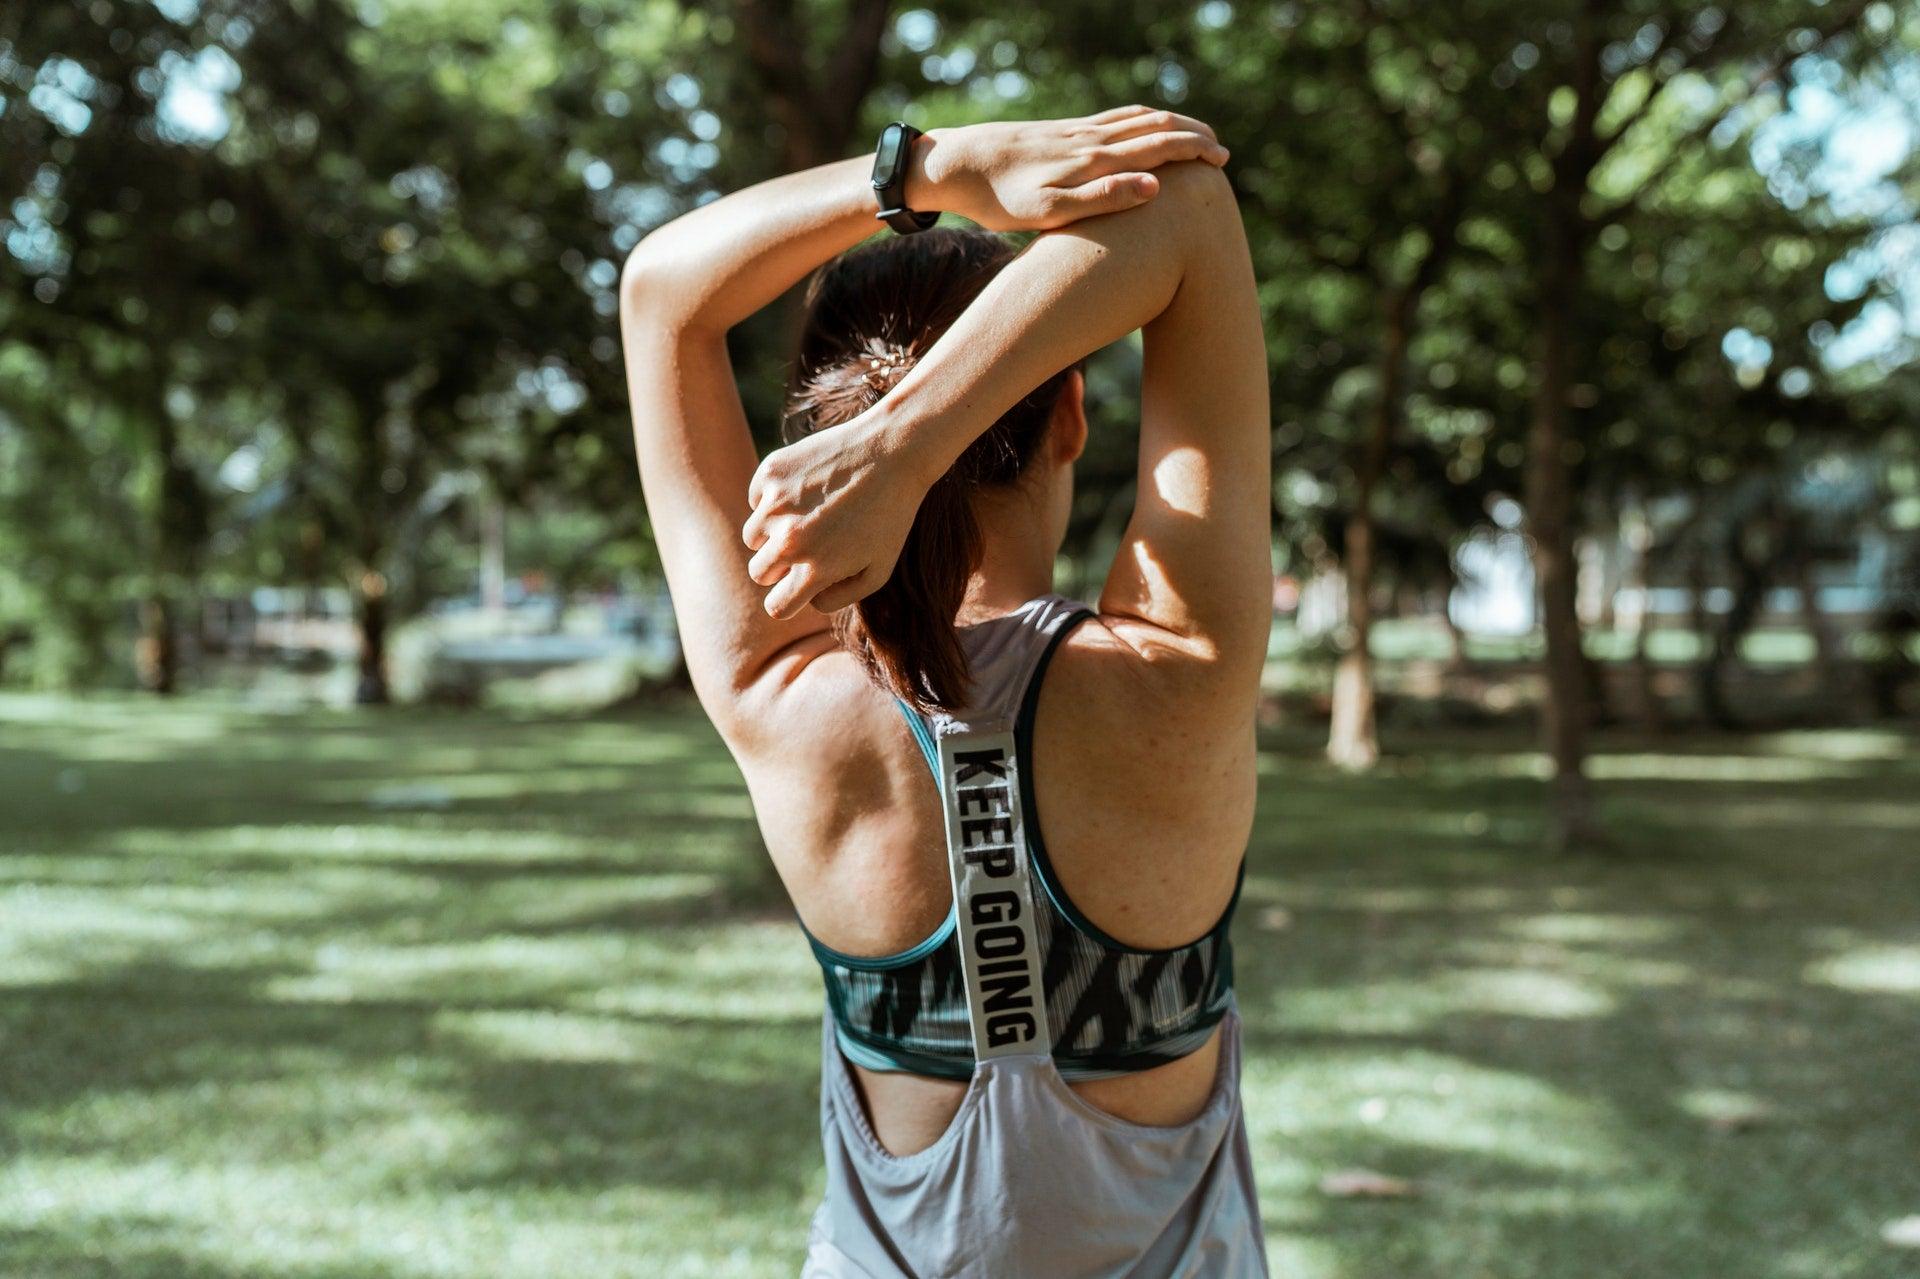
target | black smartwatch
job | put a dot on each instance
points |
(890, 160)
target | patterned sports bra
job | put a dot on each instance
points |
(1110, 1008)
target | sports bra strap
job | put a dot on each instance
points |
(992, 889)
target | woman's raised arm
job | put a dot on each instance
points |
(1193, 572)
(690, 281)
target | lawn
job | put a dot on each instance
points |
(443, 994)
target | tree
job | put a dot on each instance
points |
(1582, 88)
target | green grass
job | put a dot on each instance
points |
(412, 994)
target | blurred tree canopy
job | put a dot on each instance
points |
(294, 287)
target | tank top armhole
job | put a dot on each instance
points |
(922, 736)
(880, 963)
(1037, 846)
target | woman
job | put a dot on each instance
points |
(1030, 1056)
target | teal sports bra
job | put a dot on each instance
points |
(1110, 1008)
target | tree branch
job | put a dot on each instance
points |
(1682, 148)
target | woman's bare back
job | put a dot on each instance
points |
(1144, 787)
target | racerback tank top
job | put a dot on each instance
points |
(1109, 1008)
(1029, 1180)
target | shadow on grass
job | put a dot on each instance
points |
(655, 1115)
(1759, 1118)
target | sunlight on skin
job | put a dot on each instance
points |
(1884, 970)
(1183, 470)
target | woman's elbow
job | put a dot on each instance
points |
(644, 279)
(1195, 187)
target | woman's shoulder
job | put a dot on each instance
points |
(1123, 665)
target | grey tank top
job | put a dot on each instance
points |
(1029, 1181)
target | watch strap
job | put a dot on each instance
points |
(890, 190)
(906, 221)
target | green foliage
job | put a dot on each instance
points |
(370, 250)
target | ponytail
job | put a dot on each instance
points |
(871, 314)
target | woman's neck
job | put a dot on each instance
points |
(1016, 557)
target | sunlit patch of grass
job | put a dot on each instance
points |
(1743, 769)
(303, 841)
(1576, 928)
(1420, 1006)
(542, 1035)
(1850, 744)
(1888, 970)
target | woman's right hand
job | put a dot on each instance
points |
(1034, 175)
(831, 513)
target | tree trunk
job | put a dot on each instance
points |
(1706, 669)
(1564, 713)
(493, 557)
(370, 621)
(1826, 646)
(1456, 637)
(1751, 575)
(814, 110)
(156, 654)
(1354, 741)
(1647, 706)
(1890, 672)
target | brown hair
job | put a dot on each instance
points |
(872, 313)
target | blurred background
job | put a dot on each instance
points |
(374, 900)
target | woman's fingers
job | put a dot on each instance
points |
(1109, 194)
(768, 561)
(1151, 150)
(1146, 122)
(791, 593)
(754, 531)
(1112, 114)
(845, 594)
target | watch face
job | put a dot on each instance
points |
(886, 158)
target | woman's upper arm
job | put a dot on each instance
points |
(1194, 569)
(696, 458)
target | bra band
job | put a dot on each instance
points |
(992, 890)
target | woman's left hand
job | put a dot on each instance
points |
(1035, 175)
(831, 512)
